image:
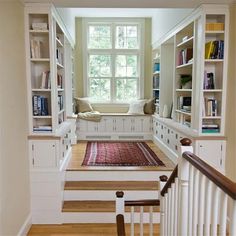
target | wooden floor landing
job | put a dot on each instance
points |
(78, 152)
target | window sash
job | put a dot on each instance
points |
(114, 52)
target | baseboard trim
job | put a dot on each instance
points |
(26, 226)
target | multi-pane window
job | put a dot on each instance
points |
(113, 60)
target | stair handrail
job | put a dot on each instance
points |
(170, 180)
(224, 183)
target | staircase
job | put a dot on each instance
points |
(89, 195)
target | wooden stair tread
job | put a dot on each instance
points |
(96, 206)
(112, 185)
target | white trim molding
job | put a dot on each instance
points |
(26, 226)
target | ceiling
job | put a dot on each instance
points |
(131, 3)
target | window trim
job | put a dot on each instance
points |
(139, 52)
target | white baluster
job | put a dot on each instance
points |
(202, 204)
(208, 207)
(183, 200)
(141, 221)
(169, 212)
(151, 221)
(223, 214)
(166, 214)
(172, 208)
(232, 228)
(190, 203)
(215, 212)
(132, 221)
(176, 206)
(162, 216)
(195, 202)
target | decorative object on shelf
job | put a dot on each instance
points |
(186, 81)
(39, 26)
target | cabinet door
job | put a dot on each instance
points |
(92, 126)
(82, 125)
(44, 154)
(212, 152)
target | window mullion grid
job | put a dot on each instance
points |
(113, 64)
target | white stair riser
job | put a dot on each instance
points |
(115, 175)
(103, 217)
(70, 195)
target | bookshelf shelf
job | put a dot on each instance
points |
(186, 43)
(183, 112)
(156, 73)
(40, 60)
(39, 31)
(211, 117)
(60, 66)
(212, 90)
(59, 43)
(214, 60)
(61, 111)
(184, 90)
(184, 65)
(42, 117)
(41, 90)
(60, 90)
(212, 32)
(156, 89)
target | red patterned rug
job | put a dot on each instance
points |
(120, 154)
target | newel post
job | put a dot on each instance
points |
(163, 180)
(120, 203)
(183, 187)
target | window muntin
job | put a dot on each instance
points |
(113, 61)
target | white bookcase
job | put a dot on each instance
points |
(51, 121)
(193, 72)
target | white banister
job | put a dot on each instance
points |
(141, 221)
(201, 204)
(132, 221)
(208, 206)
(215, 210)
(223, 214)
(151, 221)
(232, 228)
(120, 203)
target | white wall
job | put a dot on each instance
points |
(14, 172)
(68, 18)
(165, 19)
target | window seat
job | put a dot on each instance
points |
(116, 126)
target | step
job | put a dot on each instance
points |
(114, 175)
(96, 206)
(112, 185)
(100, 212)
(106, 190)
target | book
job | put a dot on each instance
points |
(208, 49)
(35, 48)
(209, 80)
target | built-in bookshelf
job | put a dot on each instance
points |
(197, 74)
(45, 60)
(214, 77)
(183, 81)
(156, 78)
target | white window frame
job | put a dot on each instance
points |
(140, 52)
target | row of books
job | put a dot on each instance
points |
(59, 81)
(60, 102)
(155, 82)
(184, 103)
(59, 56)
(185, 56)
(35, 48)
(40, 105)
(214, 49)
(210, 128)
(211, 107)
(209, 80)
(46, 80)
(45, 128)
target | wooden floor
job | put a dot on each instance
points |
(78, 152)
(84, 230)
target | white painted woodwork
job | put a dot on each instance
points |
(167, 135)
(120, 127)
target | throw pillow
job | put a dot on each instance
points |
(136, 107)
(83, 105)
(149, 106)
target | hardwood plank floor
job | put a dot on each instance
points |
(85, 230)
(79, 149)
